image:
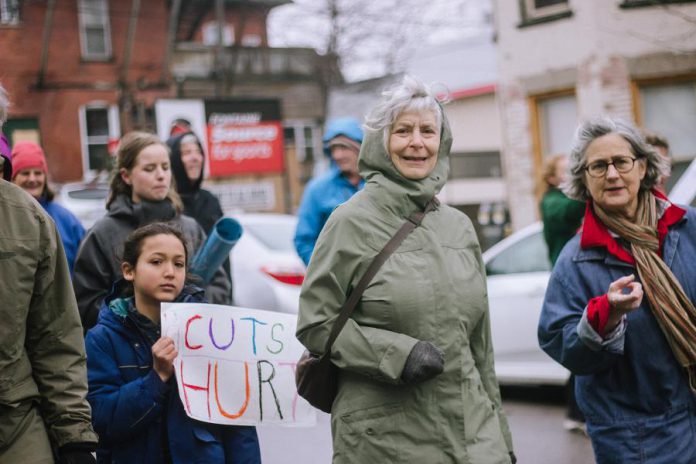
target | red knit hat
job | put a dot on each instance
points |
(26, 155)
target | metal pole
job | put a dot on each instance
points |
(48, 26)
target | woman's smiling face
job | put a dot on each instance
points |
(414, 141)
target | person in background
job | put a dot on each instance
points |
(44, 414)
(179, 126)
(619, 308)
(323, 194)
(141, 192)
(187, 162)
(561, 217)
(416, 382)
(132, 389)
(661, 146)
(187, 157)
(30, 172)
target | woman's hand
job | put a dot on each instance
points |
(624, 295)
(163, 354)
(424, 362)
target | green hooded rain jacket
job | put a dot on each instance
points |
(433, 288)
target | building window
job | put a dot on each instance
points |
(95, 33)
(9, 12)
(554, 124)
(99, 129)
(541, 11)
(670, 111)
(476, 165)
(210, 34)
(251, 40)
(305, 136)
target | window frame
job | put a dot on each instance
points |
(298, 126)
(6, 8)
(637, 103)
(106, 28)
(458, 155)
(531, 15)
(535, 123)
(114, 133)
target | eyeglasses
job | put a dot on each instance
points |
(622, 164)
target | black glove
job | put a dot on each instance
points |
(513, 458)
(424, 362)
(77, 453)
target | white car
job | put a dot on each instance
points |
(87, 201)
(518, 272)
(267, 273)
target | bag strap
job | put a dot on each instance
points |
(414, 220)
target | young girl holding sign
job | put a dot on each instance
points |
(136, 408)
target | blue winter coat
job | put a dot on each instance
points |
(132, 408)
(634, 394)
(69, 228)
(324, 193)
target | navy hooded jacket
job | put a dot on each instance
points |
(139, 418)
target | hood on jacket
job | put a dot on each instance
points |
(141, 213)
(114, 307)
(184, 185)
(348, 127)
(378, 170)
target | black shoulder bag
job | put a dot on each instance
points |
(316, 377)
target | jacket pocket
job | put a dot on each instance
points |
(483, 435)
(369, 435)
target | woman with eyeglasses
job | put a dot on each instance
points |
(619, 309)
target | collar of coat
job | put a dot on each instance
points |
(596, 235)
(387, 187)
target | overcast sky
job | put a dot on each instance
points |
(301, 24)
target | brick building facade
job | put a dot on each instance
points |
(80, 73)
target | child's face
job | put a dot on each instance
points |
(160, 272)
(150, 178)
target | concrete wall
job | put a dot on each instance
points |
(475, 123)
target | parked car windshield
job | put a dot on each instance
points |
(89, 194)
(528, 255)
(276, 236)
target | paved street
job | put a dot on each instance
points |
(535, 415)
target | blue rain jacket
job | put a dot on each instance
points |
(69, 227)
(634, 394)
(324, 193)
(134, 412)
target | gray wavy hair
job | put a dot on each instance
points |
(409, 95)
(574, 186)
(4, 105)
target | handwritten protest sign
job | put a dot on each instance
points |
(236, 365)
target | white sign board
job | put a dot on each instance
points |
(254, 196)
(235, 365)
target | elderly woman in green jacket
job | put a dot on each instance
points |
(417, 382)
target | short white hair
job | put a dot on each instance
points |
(408, 95)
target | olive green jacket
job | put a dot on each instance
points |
(42, 352)
(433, 288)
